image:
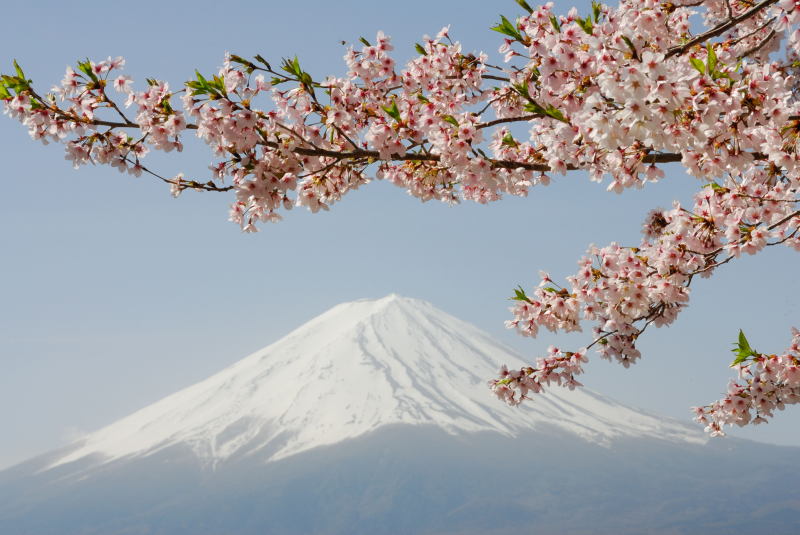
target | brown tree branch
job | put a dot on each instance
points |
(719, 29)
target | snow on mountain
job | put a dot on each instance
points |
(357, 367)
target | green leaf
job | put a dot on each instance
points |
(199, 86)
(519, 294)
(392, 111)
(364, 41)
(11, 82)
(4, 94)
(19, 70)
(450, 119)
(522, 89)
(420, 49)
(632, 48)
(217, 83)
(711, 63)
(509, 141)
(533, 107)
(742, 350)
(698, 64)
(506, 28)
(743, 343)
(86, 68)
(524, 5)
(555, 23)
(717, 187)
(585, 24)
(293, 67)
(555, 113)
(597, 11)
(14, 83)
(290, 66)
(738, 360)
(262, 60)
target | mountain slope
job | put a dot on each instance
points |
(356, 367)
(374, 418)
(418, 479)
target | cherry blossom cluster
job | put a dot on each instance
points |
(766, 383)
(70, 113)
(623, 290)
(616, 92)
(558, 367)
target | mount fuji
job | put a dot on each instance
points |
(374, 417)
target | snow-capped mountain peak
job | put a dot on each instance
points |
(359, 366)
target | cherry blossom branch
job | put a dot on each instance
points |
(750, 51)
(536, 160)
(522, 118)
(719, 29)
(81, 120)
(360, 154)
(654, 277)
(179, 183)
(767, 383)
(760, 28)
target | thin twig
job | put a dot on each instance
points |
(521, 118)
(759, 46)
(719, 29)
(183, 184)
(751, 34)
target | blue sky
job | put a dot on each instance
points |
(115, 294)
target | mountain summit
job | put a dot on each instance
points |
(357, 367)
